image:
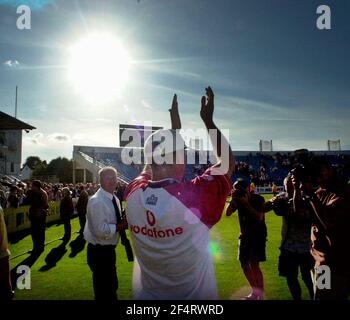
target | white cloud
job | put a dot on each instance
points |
(11, 64)
(35, 139)
(38, 135)
(59, 137)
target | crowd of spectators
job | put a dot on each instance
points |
(265, 169)
(13, 196)
(262, 169)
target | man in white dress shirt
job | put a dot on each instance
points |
(102, 234)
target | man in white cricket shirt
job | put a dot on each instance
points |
(169, 219)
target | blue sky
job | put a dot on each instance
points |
(275, 75)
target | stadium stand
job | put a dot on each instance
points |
(262, 168)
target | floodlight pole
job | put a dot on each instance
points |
(16, 102)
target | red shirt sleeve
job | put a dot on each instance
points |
(205, 196)
(139, 182)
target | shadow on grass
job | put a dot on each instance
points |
(77, 245)
(29, 261)
(18, 236)
(55, 255)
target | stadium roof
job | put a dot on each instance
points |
(10, 123)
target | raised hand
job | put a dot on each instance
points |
(174, 114)
(221, 147)
(207, 106)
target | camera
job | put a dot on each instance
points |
(304, 169)
(300, 173)
(239, 193)
(240, 189)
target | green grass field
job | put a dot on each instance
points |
(70, 278)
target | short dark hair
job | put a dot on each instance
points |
(37, 183)
(240, 184)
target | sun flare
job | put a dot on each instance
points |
(99, 67)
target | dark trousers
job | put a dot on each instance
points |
(82, 221)
(67, 228)
(38, 225)
(102, 263)
(5, 280)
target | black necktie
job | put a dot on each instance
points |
(124, 240)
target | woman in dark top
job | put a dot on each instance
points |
(66, 211)
(81, 208)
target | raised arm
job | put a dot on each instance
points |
(147, 169)
(174, 114)
(221, 147)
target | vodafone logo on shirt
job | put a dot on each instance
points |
(154, 232)
(150, 218)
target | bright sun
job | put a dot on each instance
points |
(99, 67)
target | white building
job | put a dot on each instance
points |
(11, 144)
(26, 173)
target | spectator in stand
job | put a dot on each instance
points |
(21, 196)
(56, 193)
(77, 189)
(66, 212)
(12, 200)
(48, 190)
(72, 190)
(82, 207)
(274, 189)
(3, 199)
(252, 187)
(92, 188)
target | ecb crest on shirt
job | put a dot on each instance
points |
(152, 200)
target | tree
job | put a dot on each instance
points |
(32, 162)
(62, 168)
(40, 169)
